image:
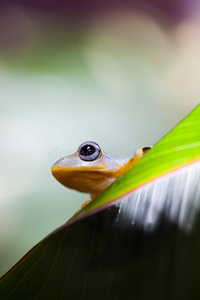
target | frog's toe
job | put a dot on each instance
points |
(146, 148)
(86, 203)
(76, 212)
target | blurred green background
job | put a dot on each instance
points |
(120, 73)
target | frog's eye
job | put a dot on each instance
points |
(89, 151)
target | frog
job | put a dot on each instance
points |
(91, 170)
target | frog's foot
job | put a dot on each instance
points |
(86, 203)
(136, 158)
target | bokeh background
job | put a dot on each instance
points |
(121, 73)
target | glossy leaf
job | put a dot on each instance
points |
(139, 239)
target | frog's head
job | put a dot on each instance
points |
(89, 169)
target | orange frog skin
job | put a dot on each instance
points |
(90, 170)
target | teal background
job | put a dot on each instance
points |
(121, 77)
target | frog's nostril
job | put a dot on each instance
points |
(60, 160)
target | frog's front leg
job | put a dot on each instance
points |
(135, 159)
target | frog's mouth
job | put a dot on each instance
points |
(90, 179)
(92, 172)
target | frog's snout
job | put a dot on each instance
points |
(53, 169)
(56, 166)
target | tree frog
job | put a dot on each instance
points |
(90, 170)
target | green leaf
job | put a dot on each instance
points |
(139, 239)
